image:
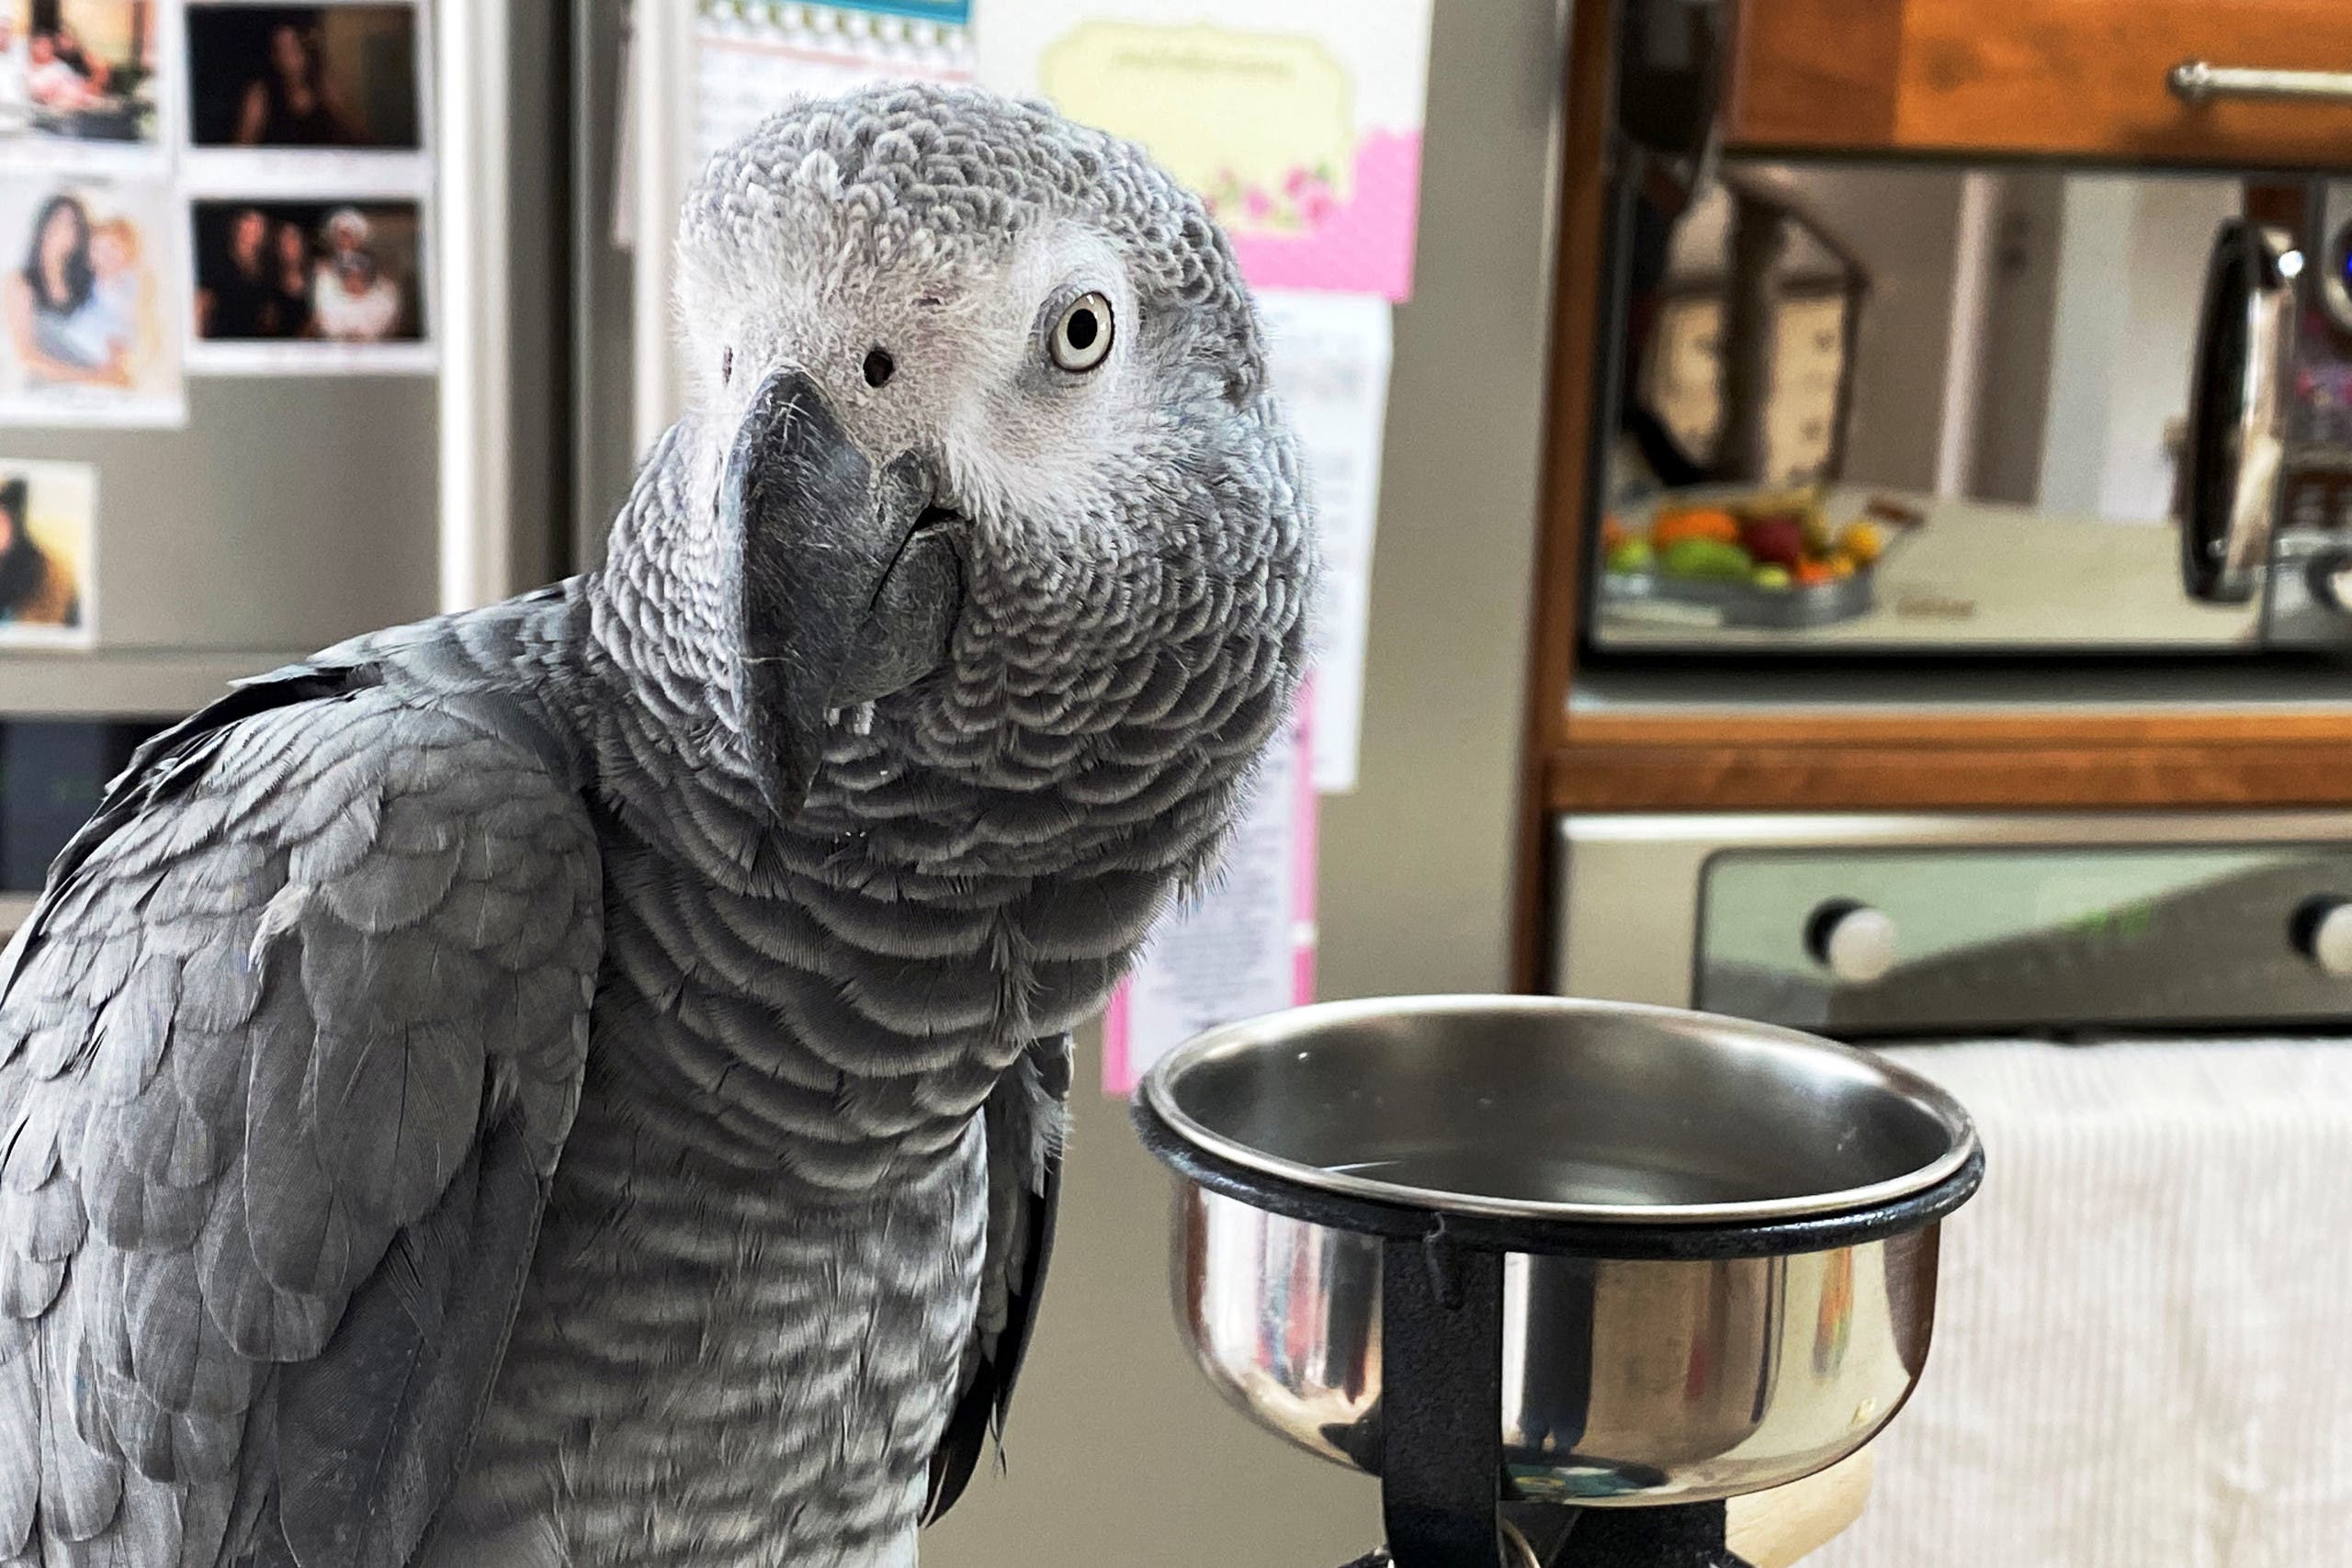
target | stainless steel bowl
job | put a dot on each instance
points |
(1726, 1273)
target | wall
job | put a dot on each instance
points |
(2090, 339)
(2173, 223)
(1905, 224)
(1118, 1452)
(2095, 258)
(2014, 377)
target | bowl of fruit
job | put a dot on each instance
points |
(1771, 561)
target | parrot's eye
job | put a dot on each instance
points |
(1082, 338)
(879, 365)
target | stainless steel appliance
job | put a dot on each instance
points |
(294, 509)
(1886, 926)
(1867, 408)
(1383, 1255)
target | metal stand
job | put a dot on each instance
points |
(1680, 1536)
(1443, 1486)
(1435, 1434)
(1689, 1535)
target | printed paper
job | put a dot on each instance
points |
(90, 332)
(48, 548)
(1246, 947)
(1330, 365)
(1299, 123)
(308, 99)
(753, 56)
(309, 169)
(300, 287)
(82, 83)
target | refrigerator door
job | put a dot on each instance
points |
(600, 334)
(291, 513)
(307, 502)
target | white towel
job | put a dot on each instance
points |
(2142, 1352)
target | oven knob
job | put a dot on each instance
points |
(2323, 933)
(2329, 578)
(1857, 943)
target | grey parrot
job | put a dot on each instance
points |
(579, 1082)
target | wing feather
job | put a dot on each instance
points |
(20, 1417)
(1024, 1124)
(265, 1204)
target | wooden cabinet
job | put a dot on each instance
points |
(2085, 81)
(2074, 78)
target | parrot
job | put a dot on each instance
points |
(583, 1081)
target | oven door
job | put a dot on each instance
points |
(1947, 925)
(1855, 407)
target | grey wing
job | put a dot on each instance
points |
(1024, 1121)
(286, 1054)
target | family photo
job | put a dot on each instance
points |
(303, 76)
(295, 270)
(47, 524)
(86, 335)
(78, 71)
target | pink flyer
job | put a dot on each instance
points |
(1300, 124)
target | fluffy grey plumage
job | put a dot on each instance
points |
(579, 1082)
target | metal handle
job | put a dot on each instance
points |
(2230, 484)
(2201, 81)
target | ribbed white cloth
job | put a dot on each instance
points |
(2142, 1352)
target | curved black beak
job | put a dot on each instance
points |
(851, 585)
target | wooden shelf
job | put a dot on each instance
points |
(2041, 760)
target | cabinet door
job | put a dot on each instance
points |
(2085, 79)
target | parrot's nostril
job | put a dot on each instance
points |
(879, 365)
(727, 366)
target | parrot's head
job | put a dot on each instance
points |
(993, 484)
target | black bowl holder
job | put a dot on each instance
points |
(1444, 1491)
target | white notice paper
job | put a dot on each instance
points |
(1331, 354)
(1246, 947)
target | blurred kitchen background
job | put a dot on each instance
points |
(1842, 514)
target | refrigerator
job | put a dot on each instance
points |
(292, 493)
(295, 510)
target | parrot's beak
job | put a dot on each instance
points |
(850, 583)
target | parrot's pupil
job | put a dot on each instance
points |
(880, 366)
(1081, 328)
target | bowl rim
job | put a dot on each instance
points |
(1157, 1091)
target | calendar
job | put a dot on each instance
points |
(751, 56)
